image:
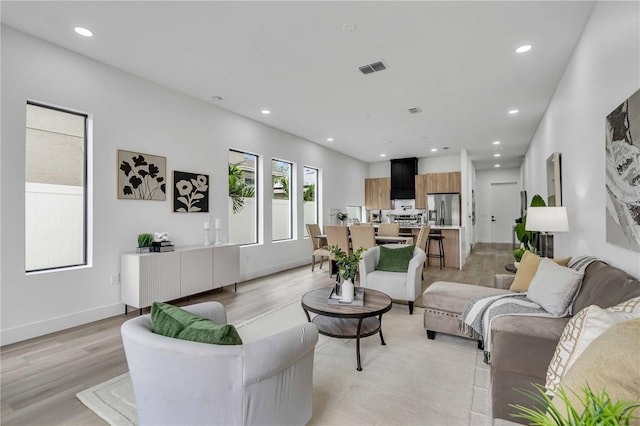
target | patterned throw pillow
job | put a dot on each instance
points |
(583, 329)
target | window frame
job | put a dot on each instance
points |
(256, 188)
(85, 185)
(317, 197)
(291, 199)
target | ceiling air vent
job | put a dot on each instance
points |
(374, 67)
(414, 110)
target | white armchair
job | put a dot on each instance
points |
(178, 382)
(398, 285)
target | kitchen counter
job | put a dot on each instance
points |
(420, 226)
(452, 243)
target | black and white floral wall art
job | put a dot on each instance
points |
(622, 143)
(141, 176)
(190, 192)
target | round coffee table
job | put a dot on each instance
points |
(347, 321)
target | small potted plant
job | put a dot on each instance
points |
(342, 216)
(144, 243)
(347, 269)
(517, 255)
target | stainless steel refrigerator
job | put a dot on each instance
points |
(444, 209)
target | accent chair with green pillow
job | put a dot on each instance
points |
(394, 269)
(172, 321)
(182, 382)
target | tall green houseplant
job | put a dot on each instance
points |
(529, 239)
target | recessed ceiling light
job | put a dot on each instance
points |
(513, 111)
(83, 31)
(497, 165)
(383, 155)
(329, 139)
(523, 48)
(434, 149)
(265, 111)
(496, 155)
(496, 142)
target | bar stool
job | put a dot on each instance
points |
(436, 234)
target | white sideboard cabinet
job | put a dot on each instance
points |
(160, 277)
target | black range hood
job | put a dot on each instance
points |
(403, 181)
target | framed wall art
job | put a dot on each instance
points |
(622, 145)
(141, 176)
(190, 192)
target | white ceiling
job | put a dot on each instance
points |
(454, 60)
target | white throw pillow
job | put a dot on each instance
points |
(553, 287)
(583, 329)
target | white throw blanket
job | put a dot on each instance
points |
(480, 312)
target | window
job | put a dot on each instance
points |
(55, 188)
(243, 200)
(310, 196)
(281, 214)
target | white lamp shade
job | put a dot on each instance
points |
(547, 219)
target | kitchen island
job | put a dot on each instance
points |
(453, 243)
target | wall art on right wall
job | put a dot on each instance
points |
(622, 143)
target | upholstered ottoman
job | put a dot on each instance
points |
(444, 302)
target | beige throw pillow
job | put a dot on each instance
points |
(583, 329)
(527, 269)
(609, 363)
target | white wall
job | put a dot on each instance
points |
(450, 163)
(484, 179)
(603, 72)
(134, 114)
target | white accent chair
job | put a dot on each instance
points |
(178, 382)
(397, 285)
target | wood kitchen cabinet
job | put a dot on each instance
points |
(377, 193)
(433, 183)
(421, 191)
(448, 182)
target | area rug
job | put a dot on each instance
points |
(411, 380)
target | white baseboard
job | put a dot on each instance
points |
(51, 325)
(274, 269)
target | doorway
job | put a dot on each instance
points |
(505, 208)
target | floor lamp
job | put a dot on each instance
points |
(546, 220)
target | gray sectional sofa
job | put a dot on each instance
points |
(522, 347)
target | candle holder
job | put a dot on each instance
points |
(206, 237)
(218, 242)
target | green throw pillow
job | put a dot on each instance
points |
(395, 259)
(172, 321)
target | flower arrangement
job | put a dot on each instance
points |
(347, 263)
(342, 216)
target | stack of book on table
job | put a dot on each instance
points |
(162, 246)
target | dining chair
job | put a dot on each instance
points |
(337, 235)
(389, 229)
(362, 236)
(421, 241)
(313, 230)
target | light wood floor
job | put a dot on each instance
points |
(39, 378)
